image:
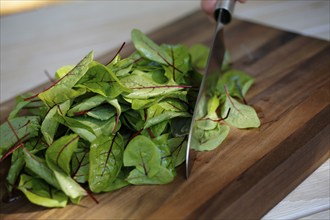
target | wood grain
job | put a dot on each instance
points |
(254, 169)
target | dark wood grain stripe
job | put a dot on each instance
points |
(272, 44)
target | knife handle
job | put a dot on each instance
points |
(224, 10)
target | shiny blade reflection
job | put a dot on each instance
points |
(207, 88)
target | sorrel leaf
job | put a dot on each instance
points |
(241, 115)
(105, 161)
(40, 193)
(38, 166)
(60, 152)
(17, 130)
(149, 49)
(62, 89)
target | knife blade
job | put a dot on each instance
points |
(222, 14)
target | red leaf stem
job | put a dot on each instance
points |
(18, 144)
(121, 47)
(62, 149)
(231, 101)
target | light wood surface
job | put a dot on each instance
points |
(37, 44)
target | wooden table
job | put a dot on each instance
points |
(254, 170)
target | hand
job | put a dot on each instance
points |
(208, 6)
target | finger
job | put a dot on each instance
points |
(208, 6)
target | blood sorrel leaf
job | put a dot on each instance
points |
(149, 49)
(241, 115)
(50, 123)
(105, 161)
(38, 166)
(17, 160)
(49, 126)
(86, 104)
(17, 130)
(102, 112)
(78, 127)
(40, 193)
(80, 165)
(199, 54)
(60, 152)
(180, 63)
(68, 185)
(142, 153)
(118, 183)
(178, 148)
(161, 175)
(20, 104)
(164, 116)
(101, 80)
(62, 71)
(161, 142)
(62, 89)
(211, 139)
(143, 86)
(17, 164)
(61, 94)
(236, 82)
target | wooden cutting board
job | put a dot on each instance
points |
(253, 170)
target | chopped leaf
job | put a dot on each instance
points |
(241, 115)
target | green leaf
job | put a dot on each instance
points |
(20, 104)
(102, 112)
(178, 148)
(38, 166)
(144, 87)
(237, 83)
(50, 123)
(101, 80)
(199, 55)
(180, 63)
(40, 193)
(161, 142)
(210, 139)
(17, 164)
(161, 176)
(241, 115)
(49, 126)
(17, 160)
(105, 158)
(68, 185)
(62, 90)
(80, 165)
(63, 71)
(17, 129)
(60, 152)
(118, 183)
(142, 153)
(79, 127)
(149, 49)
(86, 104)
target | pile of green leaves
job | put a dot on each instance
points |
(102, 127)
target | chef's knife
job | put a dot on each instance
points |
(222, 14)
